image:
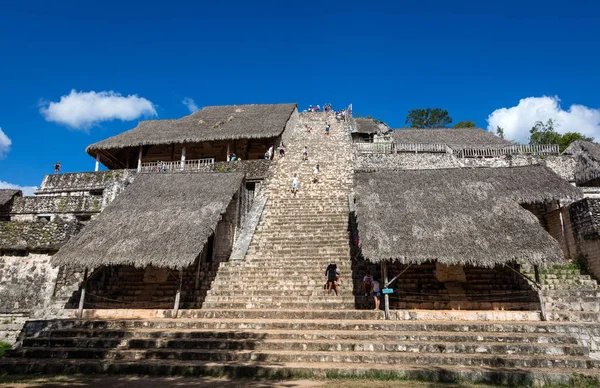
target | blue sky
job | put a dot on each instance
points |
(535, 59)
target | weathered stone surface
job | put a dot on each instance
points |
(82, 181)
(561, 165)
(28, 207)
(26, 282)
(37, 235)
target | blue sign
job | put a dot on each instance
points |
(387, 291)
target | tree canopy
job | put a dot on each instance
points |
(500, 132)
(428, 118)
(545, 133)
(465, 124)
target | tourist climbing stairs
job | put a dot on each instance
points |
(298, 234)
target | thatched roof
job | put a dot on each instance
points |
(367, 126)
(452, 137)
(457, 216)
(587, 156)
(162, 220)
(6, 195)
(207, 124)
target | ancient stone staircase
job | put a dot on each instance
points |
(512, 353)
(268, 315)
(570, 295)
(297, 236)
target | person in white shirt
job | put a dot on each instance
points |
(295, 184)
(376, 290)
(316, 174)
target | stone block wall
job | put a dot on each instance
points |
(26, 281)
(66, 208)
(585, 223)
(82, 183)
(561, 165)
(35, 236)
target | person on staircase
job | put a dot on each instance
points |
(368, 282)
(331, 274)
(327, 128)
(305, 153)
(316, 174)
(294, 184)
(281, 150)
(270, 152)
(376, 291)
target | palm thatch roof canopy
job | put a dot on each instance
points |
(587, 155)
(366, 126)
(6, 195)
(457, 216)
(163, 220)
(452, 137)
(207, 124)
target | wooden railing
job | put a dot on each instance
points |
(464, 152)
(375, 148)
(523, 149)
(413, 147)
(188, 165)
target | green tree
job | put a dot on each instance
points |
(569, 137)
(465, 124)
(545, 133)
(428, 118)
(500, 132)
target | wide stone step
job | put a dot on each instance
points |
(350, 357)
(324, 298)
(281, 305)
(368, 321)
(381, 336)
(574, 316)
(303, 344)
(506, 376)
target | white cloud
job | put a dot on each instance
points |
(518, 120)
(190, 104)
(27, 190)
(4, 144)
(81, 110)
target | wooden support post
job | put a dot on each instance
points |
(139, 166)
(178, 295)
(563, 231)
(183, 157)
(386, 297)
(97, 162)
(82, 296)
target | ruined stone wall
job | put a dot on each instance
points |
(66, 208)
(26, 286)
(561, 165)
(35, 236)
(82, 183)
(585, 222)
(26, 281)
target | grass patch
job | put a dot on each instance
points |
(3, 348)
